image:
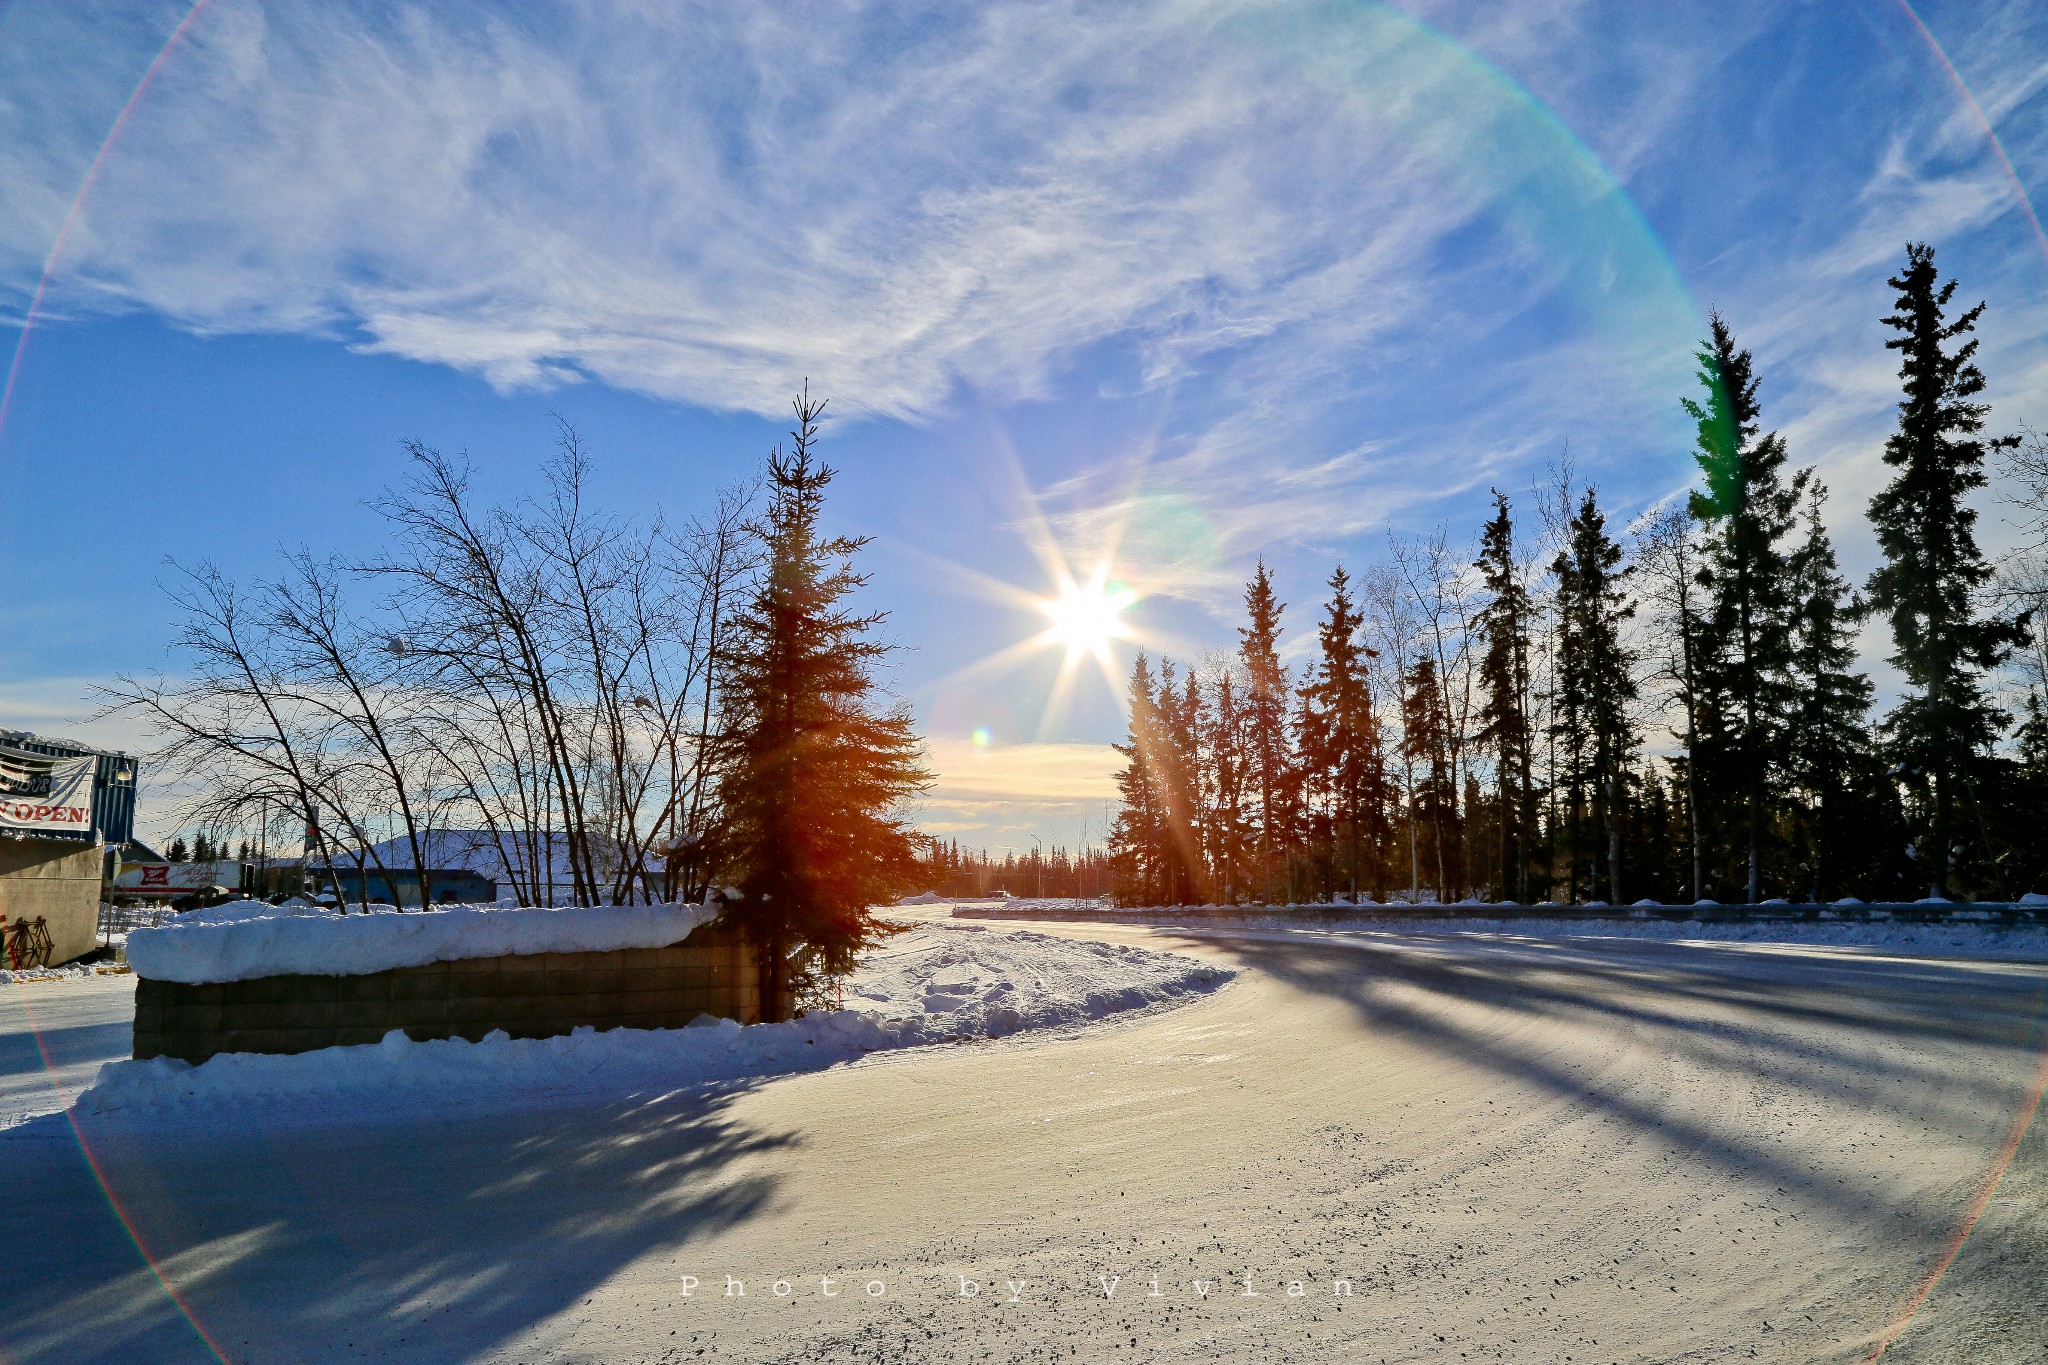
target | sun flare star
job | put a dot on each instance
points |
(1086, 617)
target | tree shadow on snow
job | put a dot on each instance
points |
(433, 1238)
(23, 1051)
(1841, 1028)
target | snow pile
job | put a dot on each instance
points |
(953, 980)
(245, 939)
(947, 983)
(234, 912)
(70, 971)
(1023, 907)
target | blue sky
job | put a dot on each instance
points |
(1200, 281)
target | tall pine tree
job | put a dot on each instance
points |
(813, 764)
(1668, 555)
(1267, 751)
(1595, 687)
(1747, 508)
(1227, 834)
(1425, 743)
(2027, 788)
(1177, 763)
(1831, 760)
(1138, 835)
(1504, 684)
(1929, 583)
(1341, 744)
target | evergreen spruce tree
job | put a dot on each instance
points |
(2026, 822)
(1265, 702)
(1340, 744)
(1595, 686)
(1932, 574)
(1316, 827)
(1299, 858)
(1476, 819)
(177, 853)
(1746, 508)
(1831, 760)
(1177, 713)
(1425, 741)
(1653, 848)
(813, 765)
(1668, 555)
(1504, 684)
(1191, 722)
(1228, 836)
(1137, 839)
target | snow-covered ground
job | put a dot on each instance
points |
(1507, 1147)
(70, 971)
(56, 1032)
(1946, 940)
(939, 983)
(2021, 943)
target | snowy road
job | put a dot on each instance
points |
(53, 1037)
(1576, 1150)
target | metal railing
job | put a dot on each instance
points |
(119, 919)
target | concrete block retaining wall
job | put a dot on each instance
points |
(539, 995)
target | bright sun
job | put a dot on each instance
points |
(1087, 616)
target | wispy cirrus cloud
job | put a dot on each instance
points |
(1373, 276)
(1280, 208)
(699, 201)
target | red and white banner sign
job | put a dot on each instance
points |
(46, 794)
(176, 879)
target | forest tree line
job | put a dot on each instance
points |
(1054, 872)
(1576, 710)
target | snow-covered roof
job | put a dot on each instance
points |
(479, 852)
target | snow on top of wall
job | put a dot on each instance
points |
(246, 939)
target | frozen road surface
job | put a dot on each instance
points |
(1507, 1149)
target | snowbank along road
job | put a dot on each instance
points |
(1514, 1149)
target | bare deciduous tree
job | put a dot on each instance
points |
(534, 681)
